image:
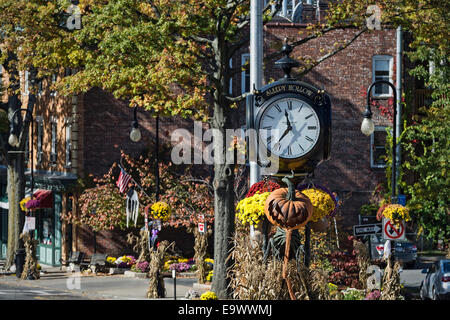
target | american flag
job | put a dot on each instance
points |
(124, 178)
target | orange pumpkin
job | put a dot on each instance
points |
(287, 211)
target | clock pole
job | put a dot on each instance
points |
(256, 61)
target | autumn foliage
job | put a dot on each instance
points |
(103, 207)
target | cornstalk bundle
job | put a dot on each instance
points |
(156, 284)
(391, 282)
(362, 256)
(30, 269)
(200, 248)
(141, 245)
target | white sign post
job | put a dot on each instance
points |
(392, 231)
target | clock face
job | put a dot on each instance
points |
(289, 128)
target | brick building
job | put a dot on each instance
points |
(84, 134)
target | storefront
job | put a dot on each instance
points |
(3, 213)
(48, 227)
(54, 199)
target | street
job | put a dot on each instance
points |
(61, 286)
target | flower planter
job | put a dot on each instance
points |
(117, 270)
(133, 274)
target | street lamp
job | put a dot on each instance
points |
(13, 139)
(135, 134)
(367, 127)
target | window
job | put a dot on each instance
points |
(53, 81)
(378, 147)
(26, 79)
(53, 153)
(382, 69)
(245, 75)
(40, 138)
(68, 144)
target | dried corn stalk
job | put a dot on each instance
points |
(391, 282)
(30, 269)
(362, 256)
(141, 245)
(156, 284)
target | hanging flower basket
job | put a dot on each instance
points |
(32, 204)
(160, 210)
(251, 210)
(395, 212)
(323, 201)
(262, 187)
(23, 203)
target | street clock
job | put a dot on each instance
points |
(293, 124)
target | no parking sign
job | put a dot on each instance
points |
(392, 231)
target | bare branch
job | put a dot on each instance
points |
(331, 54)
(238, 98)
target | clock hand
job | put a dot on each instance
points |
(287, 119)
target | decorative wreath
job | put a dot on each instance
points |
(323, 201)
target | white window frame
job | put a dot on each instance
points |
(54, 141)
(391, 73)
(68, 146)
(244, 58)
(40, 139)
(372, 141)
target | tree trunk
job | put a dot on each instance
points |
(16, 192)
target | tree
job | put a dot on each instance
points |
(173, 57)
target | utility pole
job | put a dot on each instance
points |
(256, 69)
(398, 103)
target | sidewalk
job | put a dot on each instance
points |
(101, 286)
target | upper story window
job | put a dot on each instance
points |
(40, 138)
(245, 75)
(68, 143)
(54, 152)
(378, 147)
(53, 81)
(382, 69)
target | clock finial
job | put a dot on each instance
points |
(286, 63)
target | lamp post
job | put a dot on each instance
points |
(135, 136)
(367, 127)
(13, 139)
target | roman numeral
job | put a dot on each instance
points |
(309, 139)
(269, 139)
(270, 117)
(289, 104)
(300, 109)
(309, 116)
(301, 147)
(312, 127)
(289, 152)
(270, 128)
(278, 108)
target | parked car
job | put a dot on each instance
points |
(436, 284)
(405, 251)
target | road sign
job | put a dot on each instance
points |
(392, 231)
(366, 229)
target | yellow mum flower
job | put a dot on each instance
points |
(160, 210)
(322, 203)
(209, 295)
(250, 210)
(396, 213)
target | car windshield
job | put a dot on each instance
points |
(446, 267)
